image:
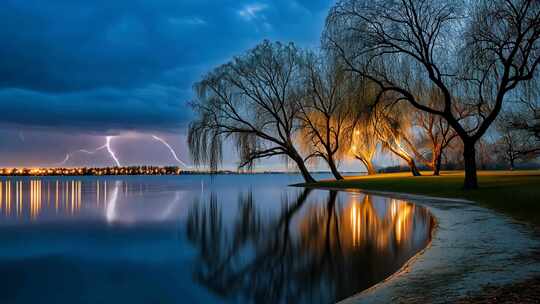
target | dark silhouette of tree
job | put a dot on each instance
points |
(515, 144)
(435, 133)
(529, 120)
(476, 53)
(253, 100)
(524, 114)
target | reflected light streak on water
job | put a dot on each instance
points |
(33, 196)
(111, 204)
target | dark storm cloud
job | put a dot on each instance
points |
(151, 108)
(125, 64)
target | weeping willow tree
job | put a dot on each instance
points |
(364, 138)
(364, 143)
(328, 110)
(252, 101)
(393, 126)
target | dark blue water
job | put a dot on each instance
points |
(197, 239)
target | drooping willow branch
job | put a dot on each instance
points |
(253, 102)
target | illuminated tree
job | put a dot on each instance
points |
(253, 101)
(328, 110)
(364, 143)
(393, 127)
(476, 53)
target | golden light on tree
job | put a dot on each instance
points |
(365, 143)
(392, 126)
(328, 111)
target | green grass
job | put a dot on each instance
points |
(516, 193)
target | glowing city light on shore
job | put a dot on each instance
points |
(166, 144)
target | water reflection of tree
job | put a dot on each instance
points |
(305, 253)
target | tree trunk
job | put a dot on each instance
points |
(333, 168)
(469, 156)
(305, 172)
(438, 161)
(409, 160)
(368, 164)
(511, 163)
(370, 168)
(414, 169)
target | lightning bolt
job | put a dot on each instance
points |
(68, 156)
(111, 152)
(107, 146)
(166, 144)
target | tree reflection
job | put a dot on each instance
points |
(315, 252)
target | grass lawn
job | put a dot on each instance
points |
(516, 193)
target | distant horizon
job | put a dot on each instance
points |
(173, 166)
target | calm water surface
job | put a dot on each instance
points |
(197, 239)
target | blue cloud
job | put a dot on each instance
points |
(153, 108)
(120, 65)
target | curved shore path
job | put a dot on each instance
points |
(471, 247)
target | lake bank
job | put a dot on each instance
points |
(472, 247)
(514, 193)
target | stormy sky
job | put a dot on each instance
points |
(75, 71)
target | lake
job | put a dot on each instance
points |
(198, 239)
